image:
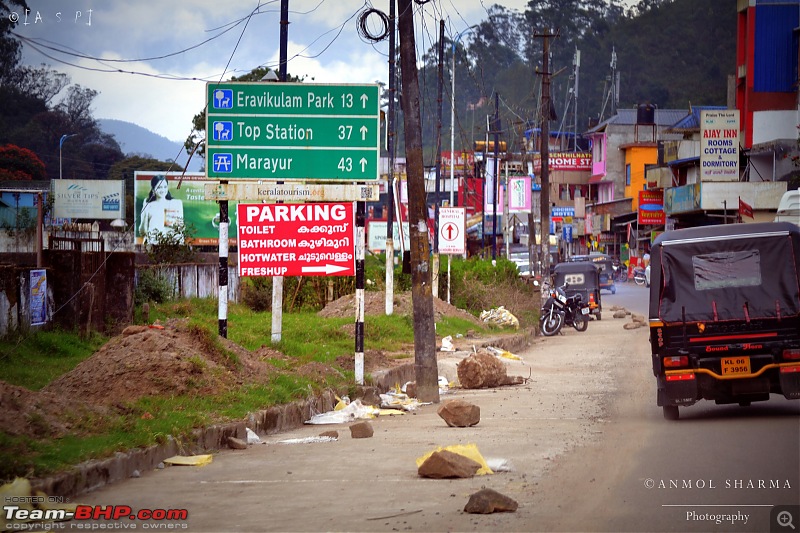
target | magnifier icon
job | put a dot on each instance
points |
(784, 519)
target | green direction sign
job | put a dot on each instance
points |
(283, 131)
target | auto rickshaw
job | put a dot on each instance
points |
(725, 314)
(584, 278)
(605, 266)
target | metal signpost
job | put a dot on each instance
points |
(289, 131)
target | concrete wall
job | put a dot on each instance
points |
(15, 313)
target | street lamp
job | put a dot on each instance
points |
(453, 112)
(60, 144)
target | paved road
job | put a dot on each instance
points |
(583, 436)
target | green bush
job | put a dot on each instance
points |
(152, 286)
(475, 285)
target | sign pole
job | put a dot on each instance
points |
(222, 314)
(277, 281)
(361, 208)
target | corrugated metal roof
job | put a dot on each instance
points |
(627, 117)
(691, 122)
(684, 161)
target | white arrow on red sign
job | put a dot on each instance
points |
(327, 269)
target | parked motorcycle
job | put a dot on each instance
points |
(620, 273)
(560, 309)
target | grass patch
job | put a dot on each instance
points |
(35, 360)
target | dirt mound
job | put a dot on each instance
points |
(375, 304)
(146, 361)
(39, 414)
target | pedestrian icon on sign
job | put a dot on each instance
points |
(223, 99)
(222, 162)
(223, 131)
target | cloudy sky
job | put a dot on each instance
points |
(150, 60)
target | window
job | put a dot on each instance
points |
(727, 269)
(628, 175)
(597, 150)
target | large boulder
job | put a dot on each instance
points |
(484, 370)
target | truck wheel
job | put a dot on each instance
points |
(671, 412)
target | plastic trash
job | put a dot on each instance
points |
(505, 354)
(500, 316)
(307, 440)
(355, 410)
(447, 344)
(252, 438)
(189, 460)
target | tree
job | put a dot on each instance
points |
(77, 107)
(41, 83)
(10, 48)
(20, 164)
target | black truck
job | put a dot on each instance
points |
(724, 314)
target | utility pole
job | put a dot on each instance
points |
(389, 303)
(435, 269)
(545, 151)
(577, 63)
(426, 370)
(496, 182)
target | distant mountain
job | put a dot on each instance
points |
(134, 139)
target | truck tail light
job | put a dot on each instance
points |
(677, 361)
(680, 377)
(791, 354)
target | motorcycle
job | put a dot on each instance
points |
(620, 273)
(639, 276)
(560, 309)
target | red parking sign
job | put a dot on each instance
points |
(313, 239)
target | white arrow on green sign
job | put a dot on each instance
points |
(281, 131)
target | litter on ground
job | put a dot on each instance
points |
(354, 410)
(447, 344)
(252, 438)
(307, 440)
(505, 354)
(189, 460)
(500, 316)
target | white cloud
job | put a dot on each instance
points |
(163, 106)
